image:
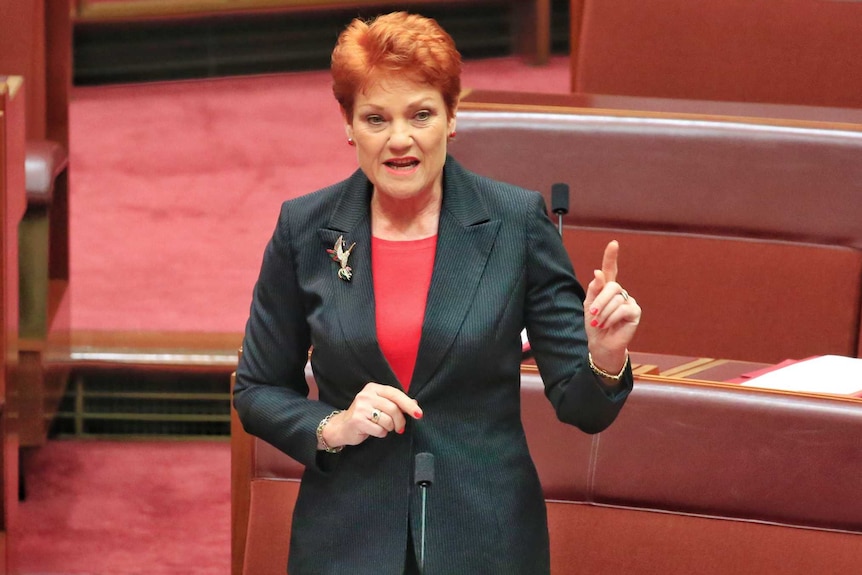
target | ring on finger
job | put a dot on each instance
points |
(375, 415)
(625, 295)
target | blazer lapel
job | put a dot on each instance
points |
(354, 299)
(465, 239)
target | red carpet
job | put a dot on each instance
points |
(126, 508)
(176, 187)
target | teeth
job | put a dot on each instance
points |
(405, 164)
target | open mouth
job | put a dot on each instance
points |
(405, 164)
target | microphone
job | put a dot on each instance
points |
(423, 475)
(560, 202)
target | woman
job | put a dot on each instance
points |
(411, 281)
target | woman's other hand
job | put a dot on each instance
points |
(375, 411)
(611, 314)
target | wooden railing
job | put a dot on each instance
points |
(35, 43)
(531, 19)
(12, 206)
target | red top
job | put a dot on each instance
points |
(402, 276)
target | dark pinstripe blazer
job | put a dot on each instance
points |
(500, 266)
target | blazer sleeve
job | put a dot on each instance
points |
(271, 392)
(554, 318)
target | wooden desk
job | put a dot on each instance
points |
(679, 367)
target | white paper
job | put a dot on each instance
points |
(835, 374)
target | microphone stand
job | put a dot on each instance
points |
(424, 489)
(424, 477)
(560, 214)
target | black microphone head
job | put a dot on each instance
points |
(424, 472)
(560, 198)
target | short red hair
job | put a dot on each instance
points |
(402, 43)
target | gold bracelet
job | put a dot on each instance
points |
(320, 439)
(600, 372)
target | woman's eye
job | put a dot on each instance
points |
(374, 120)
(423, 115)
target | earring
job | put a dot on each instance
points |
(453, 134)
(350, 142)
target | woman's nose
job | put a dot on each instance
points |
(401, 135)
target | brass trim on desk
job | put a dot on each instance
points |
(645, 369)
(689, 368)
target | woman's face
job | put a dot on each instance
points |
(400, 128)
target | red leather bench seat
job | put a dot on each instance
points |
(710, 174)
(708, 450)
(741, 236)
(781, 51)
(704, 478)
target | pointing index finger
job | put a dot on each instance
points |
(609, 261)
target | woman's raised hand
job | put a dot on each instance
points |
(375, 411)
(611, 314)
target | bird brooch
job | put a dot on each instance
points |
(340, 255)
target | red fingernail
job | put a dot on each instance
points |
(417, 414)
(594, 310)
(399, 431)
(602, 326)
(594, 323)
